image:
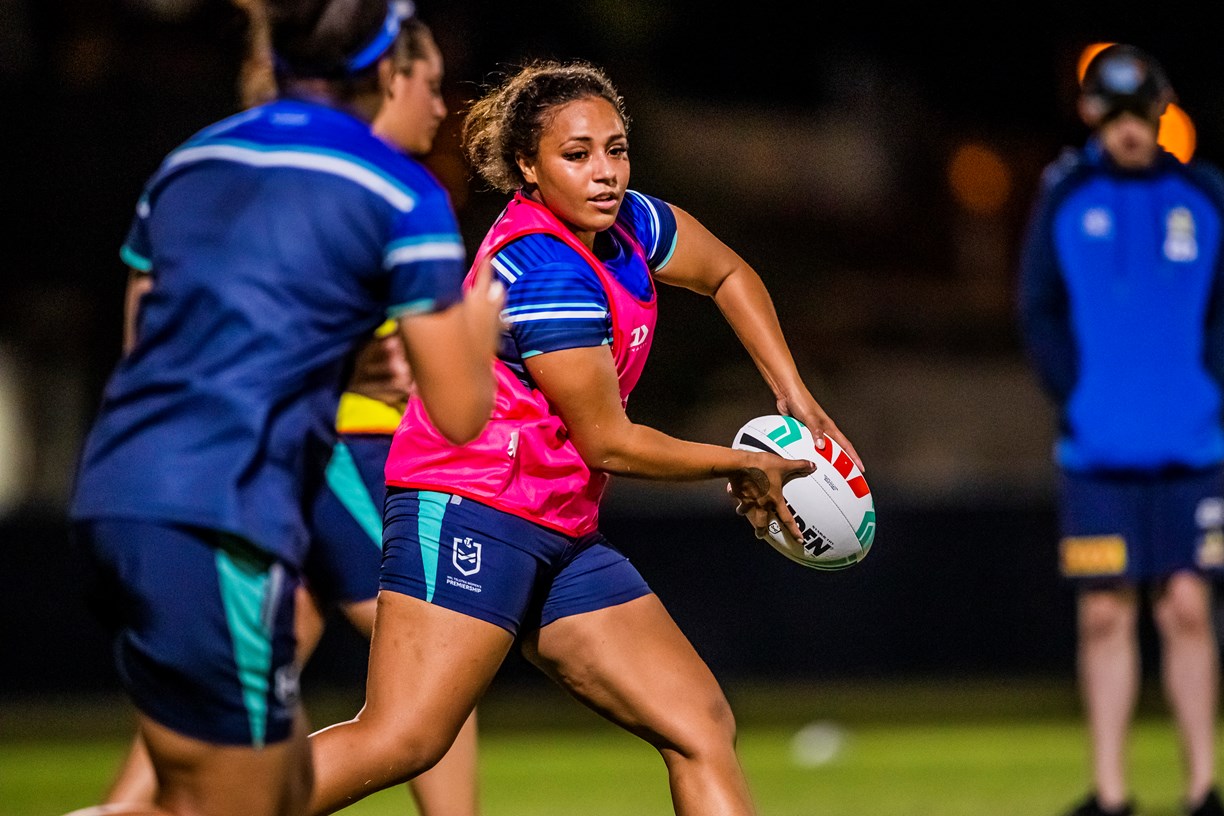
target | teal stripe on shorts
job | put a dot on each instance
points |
(249, 586)
(346, 483)
(429, 530)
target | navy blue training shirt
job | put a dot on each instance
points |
(277, 241)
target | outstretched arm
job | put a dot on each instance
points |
(706, 265)
(581, 384)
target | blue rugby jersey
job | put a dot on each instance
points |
(1122, 310)
(555, 301)
(278, 240)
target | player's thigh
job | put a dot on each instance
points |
(228, 780)
(428, 667)
(633, 665)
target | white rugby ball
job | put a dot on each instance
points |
(832, 505)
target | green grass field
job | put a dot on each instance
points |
(922, 748)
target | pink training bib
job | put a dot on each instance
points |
(523, 463)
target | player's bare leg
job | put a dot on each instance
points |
(1190, 672)
(203, 778)
(633, 665)
(136, 782)
(1108, 657)
(450, 787)
(121, 809)
(428, 668)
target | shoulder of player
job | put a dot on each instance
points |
(1204, 175)
(1071, 165)
(537, 250)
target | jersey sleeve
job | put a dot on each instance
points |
(653, 223)
(426, 258)
(1043, 303)
(1211, 181)
(137, 251)
(554, 300)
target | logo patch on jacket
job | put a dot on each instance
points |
(1180, 245)
(1098, 222)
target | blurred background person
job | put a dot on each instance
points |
(341, 568)
(264, 250)
(1122, 312)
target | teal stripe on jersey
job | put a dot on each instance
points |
(134, 260)
(301, 157)
(601, 307)
(506, 269)
(346, 483)
(412, 307)
(244, 585)
(424, 248)
(571, 314)
(431, 508)
(670, 251)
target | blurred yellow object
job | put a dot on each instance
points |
(1093, 555)
(360, 414)
(386, 329)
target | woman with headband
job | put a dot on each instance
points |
(264, 251)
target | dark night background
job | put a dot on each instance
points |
(820, 143)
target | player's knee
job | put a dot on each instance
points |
(1183, 608)
(706, 728)
(1105, 615)
(407, 749)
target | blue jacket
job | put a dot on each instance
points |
(1122, 310)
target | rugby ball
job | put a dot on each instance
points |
(832, 505)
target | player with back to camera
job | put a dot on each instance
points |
(499, 539)
(274, 242)
(1122, 306)
(341, 567)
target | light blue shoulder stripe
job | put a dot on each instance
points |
(655, 226)
(670, 251)
(412, 307)
(346, 483)
(302, 157)
(430, 510)
(424, 248)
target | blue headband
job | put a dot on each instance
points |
(397, 12)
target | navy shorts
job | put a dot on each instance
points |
(203, 627)
(474, 559)
(346, 520)
(1131, 528)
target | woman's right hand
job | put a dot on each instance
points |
(758, 488)
(483, 303)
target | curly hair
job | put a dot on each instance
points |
(507, 121)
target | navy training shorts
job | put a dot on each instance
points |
(1133, 527)
(346, 518)
(203, 627)
(498, 567)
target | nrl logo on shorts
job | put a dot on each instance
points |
(466, 556)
